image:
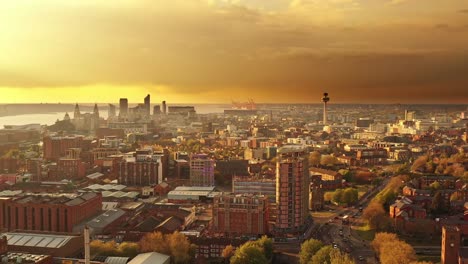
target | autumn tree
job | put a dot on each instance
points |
(154, 242)
(397, 252)
(176, 245)
(308, 249)
(419, 164)
(314, 158)
(381, 238)
(128, 249)
(111, 248)
(376, 217)
(435, 186)
(338, 257)
(180, 248)
(350, 196)
(391, 250)
(267, 245)
(328, 160)
(338, 196)
(249, 253)
(322, 256)
(345, 196)
(228, 252)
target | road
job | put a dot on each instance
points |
(329, 229)
(333, 232)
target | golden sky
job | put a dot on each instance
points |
(210, 51)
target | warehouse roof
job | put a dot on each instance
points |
(37, 240)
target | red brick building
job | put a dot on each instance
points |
(370, 157)
(56, 147)
(48, 212)
(240, 214)
(71, 168)
(9, 165)
(141, 173)
(454, 244)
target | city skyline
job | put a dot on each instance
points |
(209, 51)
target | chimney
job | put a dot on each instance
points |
(86, 245)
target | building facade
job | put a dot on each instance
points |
(292, 188)
(201, 170)
(240, 214)
(48, 212)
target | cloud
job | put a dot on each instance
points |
(200, 48)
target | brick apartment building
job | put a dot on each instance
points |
(144, 169)
(370, 157)
(48, 212)
(292, 188)
(240, 214)
(201, 170)
(71, 168)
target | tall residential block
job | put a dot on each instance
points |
(292, 188)
(123, 107)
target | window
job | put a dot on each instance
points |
(41, 215)
(49, 214)
(33, 218)
(66, 220)
(58, 220)
(16, 217)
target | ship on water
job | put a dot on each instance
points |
(242, 108)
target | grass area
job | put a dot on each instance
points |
(322, 214)
(364, 232)
(363, 188)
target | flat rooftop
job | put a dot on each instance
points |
(37, 240)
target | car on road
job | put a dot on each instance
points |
(361, 258)
(335, 246)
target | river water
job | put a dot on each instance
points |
(50, 118)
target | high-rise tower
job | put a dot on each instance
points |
(96, 111)
(147, 105)
(164, 108)
(325, 100)
(292, 188)
(111, 113)
(77, 114)
(123, 110)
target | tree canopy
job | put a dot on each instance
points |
(391, 250)
(249, 253)
(338, 257)
(254, 252)
(322, 256)
(308, 249)
(176, 245)
(124, 249)
(376, 217)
